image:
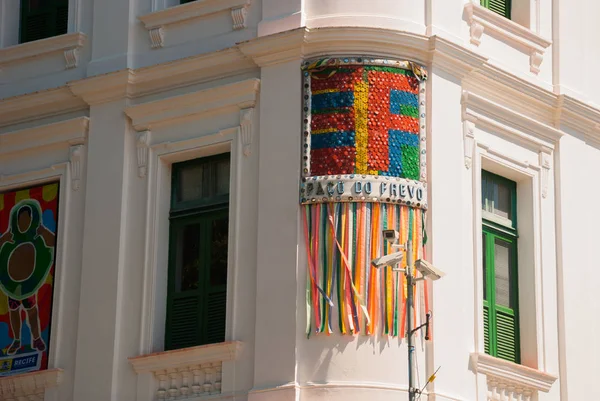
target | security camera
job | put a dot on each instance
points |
(428, 270)
(391, 235)
(388, 260)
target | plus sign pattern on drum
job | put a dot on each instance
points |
(364, 120)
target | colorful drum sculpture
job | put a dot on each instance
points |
(364, 170)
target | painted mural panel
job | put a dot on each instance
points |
(28, 225)
(364, 170)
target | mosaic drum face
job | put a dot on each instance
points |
(364, 131)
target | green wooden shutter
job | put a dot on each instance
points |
(501, 7)
(500, 305)
(42, 19)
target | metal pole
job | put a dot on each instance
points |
(409, 317)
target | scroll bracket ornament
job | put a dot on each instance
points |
(246, 129)
(142, 148)
(75, 160)
(545, 163)
(238, 16)
(468, 142)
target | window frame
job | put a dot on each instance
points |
(492, 229)
(182, 213)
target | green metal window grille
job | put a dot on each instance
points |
(501, 7)
(500, 280)
(42, 19)
(197, 282)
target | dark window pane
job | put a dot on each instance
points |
(188, 258)
(222, 177)
(502, 201)
(34, 5)
(190, 183)
(218, 251)
(202, 182)
(502, 270)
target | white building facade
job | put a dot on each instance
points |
(155, 243)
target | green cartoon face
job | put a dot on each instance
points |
(26, 260)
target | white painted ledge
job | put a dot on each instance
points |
(157, 21)
(69, 44)
(480, 19)
(193, 106)
(220, 352)
(29, 386)
(194, 372)
(505, 377)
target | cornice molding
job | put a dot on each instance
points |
(227, 351)
(157, 21)
(104, 88)
(37, 105)
(476, 73)
(68, 43)
(191, 106)
(29, 385)
(189, 71)
(69, 132)
(512, 372)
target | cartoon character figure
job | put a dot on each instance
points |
(26, 257)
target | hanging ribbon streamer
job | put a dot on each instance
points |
(342, 239)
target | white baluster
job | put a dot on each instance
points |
(173, 390)
(208, 378)
(527, 395)
(218, 377)
(197, 383)
(161, 392)
(185, 387)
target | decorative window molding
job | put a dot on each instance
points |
(506, 377)
(69, 44)
(187, 372)
(30, 386)
(238, 95)
(478, 110)
(480, 18)
(67, 133)
(157, 21)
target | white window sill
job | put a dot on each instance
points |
(31, 385)
(68, 43)
(187, 372)
(157, 21)
(506, 378)
(480, 19)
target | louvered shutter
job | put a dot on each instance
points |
(183, 322)
(216, 306)
(62, 19)
(42, 19)
(506, 335)
(501, 7)
(486, 328)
